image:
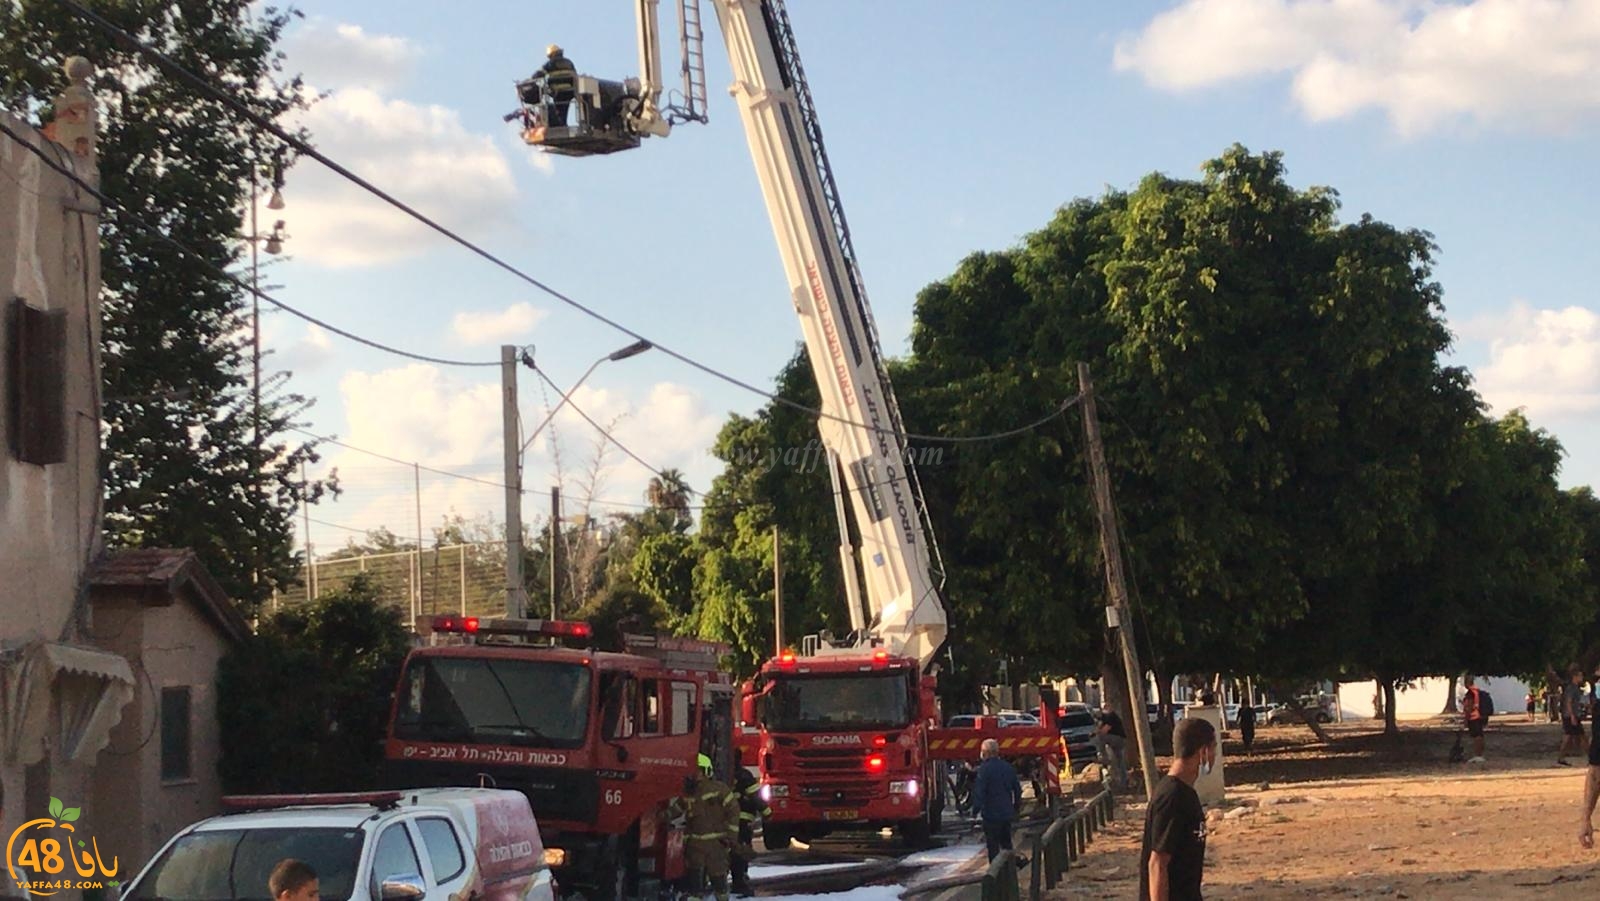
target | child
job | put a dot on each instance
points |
(293, 880)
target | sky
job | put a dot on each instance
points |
(952, 128)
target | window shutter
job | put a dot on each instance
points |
(38, 377)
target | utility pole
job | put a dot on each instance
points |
(777, 594)
(1117, 614)
(516, 594)
(311, 560)
(555, 551)
(416, 482)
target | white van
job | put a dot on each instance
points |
(430, 844)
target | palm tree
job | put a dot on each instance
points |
(670, 492)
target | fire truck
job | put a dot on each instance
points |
(845, 732)
(599, 741)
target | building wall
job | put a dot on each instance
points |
(175, 646)
(1428, 696)
(49, 520)
(49, 255)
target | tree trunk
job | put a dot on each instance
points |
(1390, 727)
(1450, 697)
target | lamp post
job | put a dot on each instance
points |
(272, 243)
(516, 593)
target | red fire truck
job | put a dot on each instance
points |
(599, 741)
(851, 740)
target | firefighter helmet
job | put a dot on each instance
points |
(705, 765)
(553, 50)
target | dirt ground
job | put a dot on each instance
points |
(1366, 817)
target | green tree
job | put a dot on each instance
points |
(302, 705)
(180, 461)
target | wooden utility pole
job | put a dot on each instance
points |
(1117, 613)
(555, 552)
(777, 595)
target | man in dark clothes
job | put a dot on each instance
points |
(996, 795)
(560, 82)
(1112, 739)
(1572, 706)
(1174, 855)
(1247, 725)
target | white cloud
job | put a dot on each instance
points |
(422, 155)
(514, 321)
(337, 55)
(1544, 359)
(435, 417)
(310, 351)
(1424, 63)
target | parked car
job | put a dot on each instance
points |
(431, 844)
(1282, 714)
(1078, 727)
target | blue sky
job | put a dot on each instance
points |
(952, 128)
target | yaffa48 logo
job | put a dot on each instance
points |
(46, 847)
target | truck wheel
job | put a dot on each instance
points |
(616, 877)
(774, 837)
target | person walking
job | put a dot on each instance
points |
(996, 795)
(1532, 705)
(1572, 704)
(1591, 784)
(1111, 741)
(1172, 859)
(1472, 712)
(1247, 725)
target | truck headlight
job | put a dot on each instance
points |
(903, 787)
(774, 790)
(555, 857)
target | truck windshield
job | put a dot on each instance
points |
(225, 864)
(820, 703)
(493, 701)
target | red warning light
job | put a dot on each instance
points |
(469, 624)
(876, 763)
(566, 628)
(786, 659)
(879, 741)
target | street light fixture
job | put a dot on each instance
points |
(632, 350)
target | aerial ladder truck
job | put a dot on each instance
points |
(846, 731)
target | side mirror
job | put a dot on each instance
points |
(402, 888)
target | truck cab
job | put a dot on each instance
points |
(841, 743)
(598, 741)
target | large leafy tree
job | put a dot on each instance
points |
(181, 462)
(302, 704)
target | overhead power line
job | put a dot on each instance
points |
(125, 215)
(209, 89)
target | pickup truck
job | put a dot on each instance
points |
(433, 844)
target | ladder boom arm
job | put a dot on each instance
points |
(896, 553)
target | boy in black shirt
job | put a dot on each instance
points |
(1174, 854)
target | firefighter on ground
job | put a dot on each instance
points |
(748, 788)
(560, 78)
(710, 811)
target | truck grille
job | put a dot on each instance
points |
(836, 776)
(837, 760)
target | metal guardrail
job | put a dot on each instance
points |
(1054, 852)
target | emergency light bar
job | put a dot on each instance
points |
(472, 625)
(381, 800)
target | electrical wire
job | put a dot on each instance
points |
(373, 453)
(162, 61)
(107, 204)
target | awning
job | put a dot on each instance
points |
(85, 688)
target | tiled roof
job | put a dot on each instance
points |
(170, 570)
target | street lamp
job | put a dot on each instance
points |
(632, 350)
(516, 594)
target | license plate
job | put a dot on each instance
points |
(841, 814)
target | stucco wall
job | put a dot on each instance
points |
(169, 646)
(49, 255)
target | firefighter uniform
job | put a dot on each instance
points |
(711, 827)
(748, 788)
